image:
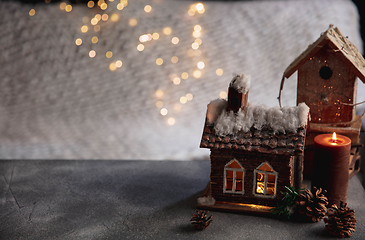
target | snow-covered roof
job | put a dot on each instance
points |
(256, 128)
(287, 119)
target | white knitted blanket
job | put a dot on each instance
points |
(56, 102)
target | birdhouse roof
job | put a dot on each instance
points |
(340, 44)
(256, 128)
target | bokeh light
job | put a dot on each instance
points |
(92, 53)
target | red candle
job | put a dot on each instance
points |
(331, 166)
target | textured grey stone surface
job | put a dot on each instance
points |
(130, 200)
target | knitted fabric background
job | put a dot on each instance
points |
(57, 102)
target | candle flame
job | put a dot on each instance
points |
(334, 137)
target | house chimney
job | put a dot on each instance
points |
(238, 92)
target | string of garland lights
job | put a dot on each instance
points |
(92, 25)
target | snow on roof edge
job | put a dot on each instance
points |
(287, 119)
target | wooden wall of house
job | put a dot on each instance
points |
(282, 164)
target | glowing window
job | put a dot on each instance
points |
(265, 179)
(234, 175)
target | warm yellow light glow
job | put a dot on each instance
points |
(184, 75)
(31, 12)
(159, 104)
(155, 36)
(132, 22)
(176, 80)
(174, 59)
(120, 6)
(334, 137)
(159, 93)
(118, 63)
(159, 61)
(223, 94)
(167, 31)
(94, 39)
(171, 121)
(219, 71)
(85, 19)
(92, 53)
(196, 34)
(197, 74)
(145, 37)
(97, 28)
(78, 41)
(140, 47)
(105, 17)
(112, 66)
(189, 96)
(114, 17)
(68, 8)
(254, 206)
(200, 8)
(260, 187)
(198, 41)
(183, 99)
(163, 111)
(195, 46)
(124, 2)
(197, 53)
(147, 8)
(191, 12)
(90, 4)
(103, 6)
(190, 53)
(260, 176)
(63, 6)
(200, 65)
(109, 54)
(94, 21)
(175, 40)
(84, 29)
(98, 17)
(197, 28)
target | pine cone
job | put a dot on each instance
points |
(312, 205)
(340, 222)
(200, 220)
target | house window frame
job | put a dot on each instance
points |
(266, 173)
(226, 168)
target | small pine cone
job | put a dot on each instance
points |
(200, 220)
(340, 221)
(312, 205)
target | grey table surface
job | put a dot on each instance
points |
(131, 200)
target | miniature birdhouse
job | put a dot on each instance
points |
(327, 82)
(255, 151)
(327, 73)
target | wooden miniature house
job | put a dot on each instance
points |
(255, 151)
(327, 82)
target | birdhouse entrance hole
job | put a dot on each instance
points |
(325, 72)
